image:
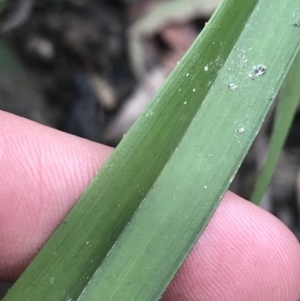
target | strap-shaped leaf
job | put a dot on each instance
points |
(288, 102)
(181, 201)
(178, 158)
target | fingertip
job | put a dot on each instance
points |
(43, 172)
(244, 253)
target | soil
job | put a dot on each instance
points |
(64, 46)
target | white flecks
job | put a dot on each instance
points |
(232, 86)
(206, 68)
(218, 59)
(241, 130)
(243, 59)
(149, 114)
(52, 280)
(185, 103)
(194, 90)
(205, 187)
(231, 179)
(257, 71)
(187, 74)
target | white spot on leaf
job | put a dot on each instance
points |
(257, 71)
(232, 86)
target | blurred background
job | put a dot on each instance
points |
(90, 67)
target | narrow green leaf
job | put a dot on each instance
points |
(118, 189)
(288, 102)
(165, 227)
(178, 158)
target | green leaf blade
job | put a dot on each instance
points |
(141, 166)
(176, 210)
(286, 109)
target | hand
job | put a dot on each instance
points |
(244, 253)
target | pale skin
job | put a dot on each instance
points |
(244, 253)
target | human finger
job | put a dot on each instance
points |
(43, 172)
(244, 254)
